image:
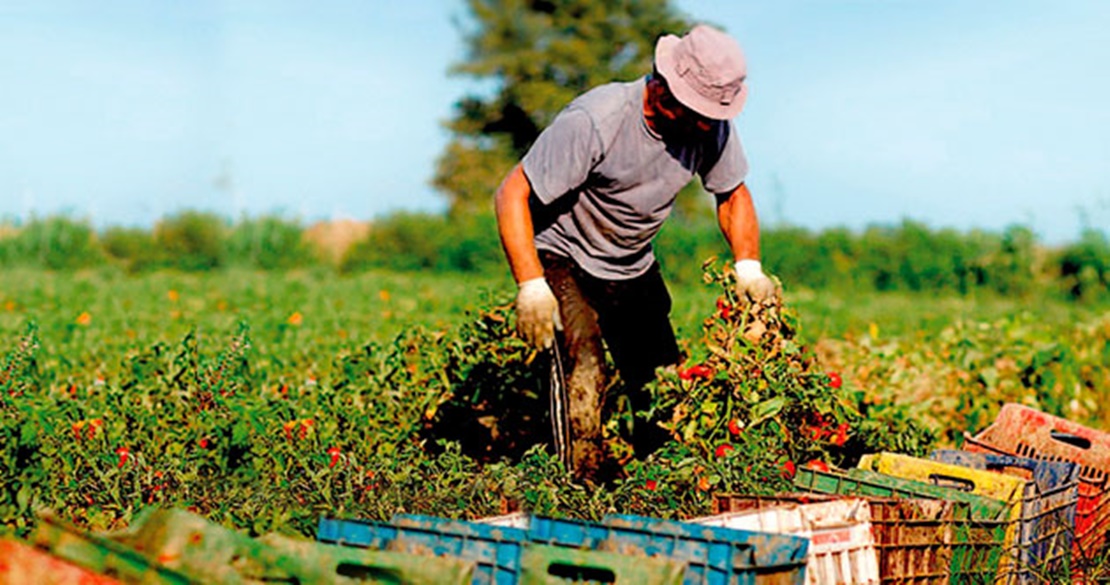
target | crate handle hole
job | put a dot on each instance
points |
(1070, 439)
(957, 483)
(579, 573)
(367, 573)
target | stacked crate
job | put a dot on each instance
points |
(1024, 432)
(842, 546)
(619, 549)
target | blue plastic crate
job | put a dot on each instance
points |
(716, 554)
(1048, 504)
(360, 533)
(495, 550)
(713, 555)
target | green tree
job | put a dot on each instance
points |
(538, 54)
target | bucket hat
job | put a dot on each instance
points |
(705, 70)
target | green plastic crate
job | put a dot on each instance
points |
(979, 526)
(325, 563)
(212, 553)
(555, 565)
(102, 555)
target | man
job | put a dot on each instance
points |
(577, 216)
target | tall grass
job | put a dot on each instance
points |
(906, 257)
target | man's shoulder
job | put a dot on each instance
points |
(614, 99)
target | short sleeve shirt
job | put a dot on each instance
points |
(603, 182)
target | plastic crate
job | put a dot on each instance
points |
(1027, 432)
(998, 486)
(552, 565)
(102, 555)
(356, 533)
(756, 557)
(494, 550)
(501, 554)
(978, 523)
(842, 545)
(205, 551)
(712, 555)
(23, 564)
(1047, 505)
(913, 537)
(513, 520)
(325, 563)
(212, 553)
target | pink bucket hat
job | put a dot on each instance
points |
(705, 70)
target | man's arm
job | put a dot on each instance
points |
(514, 224)
(537, 309)
(740, 226)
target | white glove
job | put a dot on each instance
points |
(537, 313)
(751, 282)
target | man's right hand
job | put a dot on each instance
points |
(537, 312)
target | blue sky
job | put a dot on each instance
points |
(951, 112)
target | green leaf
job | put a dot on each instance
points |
(767, 409)
(23, 498)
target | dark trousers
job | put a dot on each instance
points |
(629, 317)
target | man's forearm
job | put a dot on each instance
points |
(739, 224)
(514, 225)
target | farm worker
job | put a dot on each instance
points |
(577, 216)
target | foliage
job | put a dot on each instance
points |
(416, 241)
(539, 56)
(267, 427)
(751, 389)
(191, 240)
(132, 247)
(955, 378)
(54, 243)
(907, 257)
(1084, 266)
(121, 392)
(267, 243)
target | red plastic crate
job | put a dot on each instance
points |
(1027, 432)
(23, 564)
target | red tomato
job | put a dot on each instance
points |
(788, 469)
(818, 465)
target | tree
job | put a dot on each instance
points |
(540, 54)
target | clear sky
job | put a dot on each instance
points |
(956, 113)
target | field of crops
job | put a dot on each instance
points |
(264, 400)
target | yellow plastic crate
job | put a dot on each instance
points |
(998, 486)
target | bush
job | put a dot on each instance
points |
(1008, 264)
(684, 243)
(268, 243)
(192, 240)
(1084, 267)
(55, 243)
(473, 245)
(417, 241)
(7, 243)
(132, 247)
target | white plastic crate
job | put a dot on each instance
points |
(842, 546)
(514, 520)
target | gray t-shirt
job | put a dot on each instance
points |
(605, 182)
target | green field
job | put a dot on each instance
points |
(264, 400)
